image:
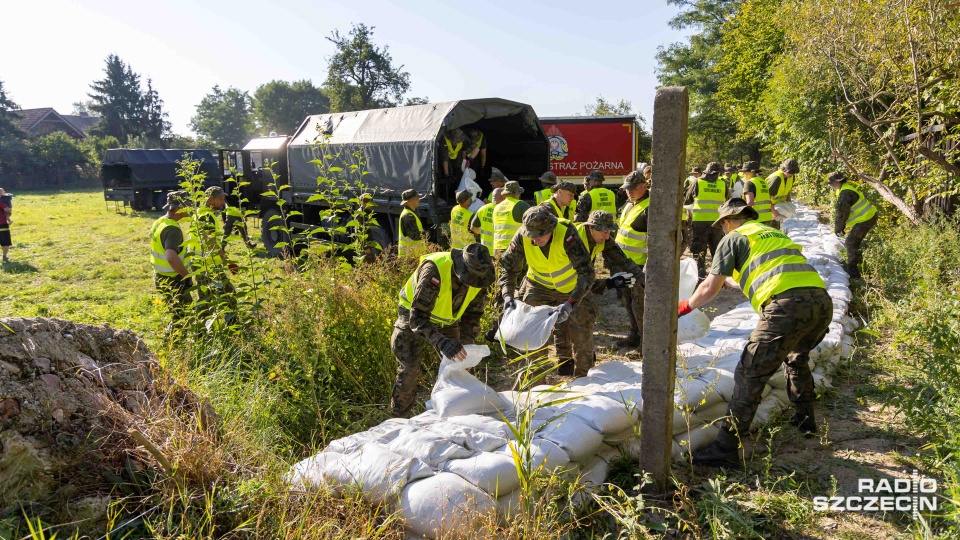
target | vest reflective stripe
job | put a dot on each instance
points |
(562, 213)
(555, 272)
(862, 210)
(542, 195)
(633, 243)
(485, 215)
(504, 226)
(775, 265)
(786, 184)
(452, 152)
(460, 235)
(442, 313)
(582, 231)
(603, 199)
(158, 255)
(761, 201)
(408, 244)
(710, 195)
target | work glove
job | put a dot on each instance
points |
(509, 303)
(234, 268)
(564, 309)
(452, 349)
(621, 280)
(683, 308)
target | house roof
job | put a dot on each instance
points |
(30, 118)
(82, 122)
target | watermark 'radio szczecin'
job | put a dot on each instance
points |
(915, 494)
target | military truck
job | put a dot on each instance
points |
(398, 149)
(141, 179)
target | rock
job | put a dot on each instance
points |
(51, 380)
(41, 363)
(9, 407)
(58, 416)
(7, 366)
(24, 470)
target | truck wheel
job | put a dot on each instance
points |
(270, 237)
(141, 201)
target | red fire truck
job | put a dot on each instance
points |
(580, 144)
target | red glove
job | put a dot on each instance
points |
(683, 308)
(233, 267)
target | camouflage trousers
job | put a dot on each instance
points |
(633, 302)
(568, 334)
(853, 240)
(790, 326)
(705, 236)
(407, 346)
(686, 232)
(584, 354)
(175, 292)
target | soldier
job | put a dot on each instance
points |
(171, 257)
(5, 240)
(507, 216)
(412, 242)
(780, 184)
(695, 174)
(562, 203)
(625, 274)
(497, 180)
(795, 313)
(596, 197)
(213, 240)
(632, 239)
(442, 304)
(734, 180)
(648, 172)
(756, 192)
(460, 216)
(706, 195)
(547, 180)
(453, 150)
(482, 222)
(557, 271)
(478, 147)
(855, 211)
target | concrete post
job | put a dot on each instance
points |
(670, 111)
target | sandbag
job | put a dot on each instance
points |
(484, 424)
(688, 278)
(543, 454)
(446, 506)
(592, 475)
(602, 414)
(509, 504)
(692, 326)
(698, 391)
(573, 435)
(696, 438)
(379, 473)
(469, 438)
(786, 210)
(426, 446)
(457, 392)
(527, 328)
(493, 472)
(617, 372)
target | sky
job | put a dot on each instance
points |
(556, 56)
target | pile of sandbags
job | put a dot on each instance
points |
(448, 469)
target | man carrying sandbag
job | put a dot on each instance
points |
(795, 313)
(441, 303)
(625, 274)
(558, 272)
(855, 211)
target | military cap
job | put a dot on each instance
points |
(215, 191)
(496, 175)
(538, 221)
(750, 166)
(474, 266)
(631, 180)
(409, 194)
(696, 170)
(736, 207)
(727, 167)
(178, 199)
(594, 175)
(790, 166)
(601, 220)
(512, 188)
(713, 168)
(564, 185)
(836, 177)
(548, 178)
(464, 196)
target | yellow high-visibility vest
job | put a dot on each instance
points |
(775, 265)
(408, 245)
(485, 215)
(460, 235)
(633, 243)
(542, 195)
(452, 151)
(786, 184)
(504, 226)
(761, 200)
(442, 314)
(862, 210)
(710, 195)
(158, 254)
(564, 213)
(597, 249)
(556, 271)
(603, 199)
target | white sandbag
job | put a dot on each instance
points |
(631, 449)
(684, 419)
(688, 278)
(725, 383)
(583, 381)
(428, 447)
(592, 475)
(543, 396)
(469, 438)
(696, 438)
(446, 506)
(379, 473)
(508, 505)
(527, 328)
(778, 381)
(573, 435)
(707, 415)
(765, 412)
(699, 391)
(692, 326)
(786, 210)
(602, 414)
(493, 472)
(484, 424)
(543, 455)
(617, 372)
(310, 471)
(458, 392)
(382, 433)
(629, 395)
(616, 439)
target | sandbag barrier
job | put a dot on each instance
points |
(440, 473)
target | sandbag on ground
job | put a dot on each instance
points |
(611, 372)
(457, 392)
(493, 472)
(428, 447)
(445, 505)
(573, 435)
(602, 414)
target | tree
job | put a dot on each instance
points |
(82, 107)
(224, 117)
(361, 75)
(602, 107)
(154, 123)
(58, 159)
(417, 101)
(281, 106)
(117, 100)
(12, 148)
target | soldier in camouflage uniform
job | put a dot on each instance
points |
(795, 314)
(538, 233)
(625, 274)
(472, 269)
(562, 201)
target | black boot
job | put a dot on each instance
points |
(565, 368)
(491, 335)
(718, 455)
(805, 423)
(631, 341)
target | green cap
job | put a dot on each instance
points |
(565, 185)
(474, 266)
(836, 177)
(496, 175)
(548, 178)
(178, 199)
(409, 194)
(601, 220)
(215, 191)
(538, 221)
(736, 207)
(512, 188)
